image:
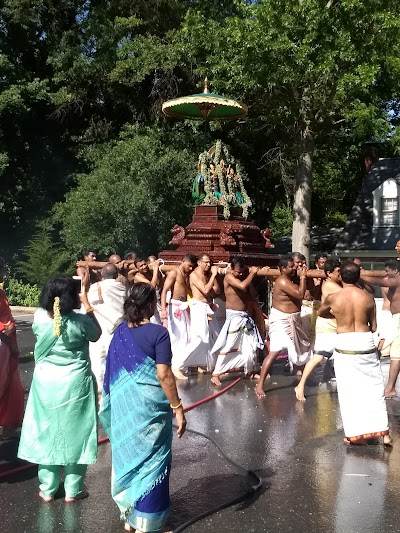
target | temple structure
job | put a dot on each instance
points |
(220, 226)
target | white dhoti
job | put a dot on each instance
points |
(107, 298)
(202, 335)
(309, 314)
(360, 387)
(220, 314)
(325, 337)
(387, 329)
(179, 330)
(237, 344)
(286, 331)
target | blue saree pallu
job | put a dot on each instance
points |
(137, 418)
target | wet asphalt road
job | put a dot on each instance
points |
(312, 482)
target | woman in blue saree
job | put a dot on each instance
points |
(139, 394)
(60, 423)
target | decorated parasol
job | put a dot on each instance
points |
(205, 106)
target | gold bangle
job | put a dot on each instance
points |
(176, 406)
(90, 310)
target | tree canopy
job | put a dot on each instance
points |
(84, 146)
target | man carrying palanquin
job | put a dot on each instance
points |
(392, 281)
(312, 296)
(204, 287)
(325, 327)
(237, 344)
(107, 297)
(286, 330)
(177, 314)
(11, 391)
(145, 275)
(89, 275)
(358, 372)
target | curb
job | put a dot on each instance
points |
(18, 309)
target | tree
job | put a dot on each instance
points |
(304, 67)
(44, 258)
(137, 189)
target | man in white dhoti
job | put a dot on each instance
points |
(203, 330)
(177, 282)
(286, 329)
(358, 372)
(325, 339)
(386, 328)
(239, 340)
(391, 280)
(107, 298)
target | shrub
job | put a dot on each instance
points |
(22, 294)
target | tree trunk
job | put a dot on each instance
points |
(303, 194)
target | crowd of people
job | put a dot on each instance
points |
(139, 331)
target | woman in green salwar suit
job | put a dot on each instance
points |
(60, 423)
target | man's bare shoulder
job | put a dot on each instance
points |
(281, 280)
(330, 287)
(229, 278)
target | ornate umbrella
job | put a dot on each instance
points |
(205, 106)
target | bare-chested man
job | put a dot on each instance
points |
(237, 344)
(358, 373)
(285, 325)
(88, 275)
(392, 281)
(124, 268)
(177, 282)
(145, 275)
(203, 286)
(325, 327)
(312, 296)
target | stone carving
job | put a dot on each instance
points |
(178, 233)
(266, 233)
(225, 236)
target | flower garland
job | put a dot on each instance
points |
(57, 316)
(226, 183)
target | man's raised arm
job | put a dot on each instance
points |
(205, 289)
(234, 282)
(168, 284)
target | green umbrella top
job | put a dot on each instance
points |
(205, 106)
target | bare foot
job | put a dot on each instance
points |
(259, 392)
(387, 440)
(46, 499)
(127, 527)
(390, 393)
(201, 370)
(80, 496)
(255, 376)
(300, 393)
(216, 381)
(179, 374)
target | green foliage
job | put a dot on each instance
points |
(74, 73)
(281, 221)
(137, 189)
(22, 294)
(44, 258)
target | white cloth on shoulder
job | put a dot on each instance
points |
(360, 386)
(179, 330)
(107, 298)
(286, 331)
(237, 344)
